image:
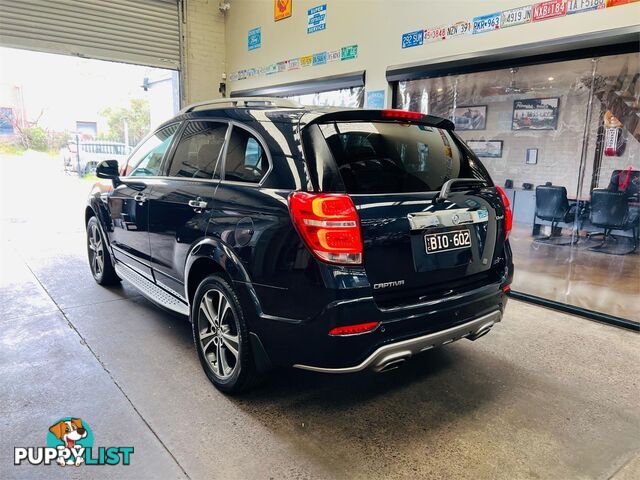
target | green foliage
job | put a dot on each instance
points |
(36, 138)
(11, 149)
(138, 119)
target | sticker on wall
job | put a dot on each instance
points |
(412, 39)
(306, 61)
(550, 9)
(486, 23)
(579, 6)
(516, 16)
(319, 58)
(458, 29)
(317, 18)
(281, 9)
(333, 56)
(435, 34)
(375, 99)
(254, 39)
(349, 53)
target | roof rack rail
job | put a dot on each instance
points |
(242, 102)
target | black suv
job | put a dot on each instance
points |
(332, 240)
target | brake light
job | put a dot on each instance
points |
(329, 226)
(508, 214)
(353, 329)
(506, 289)
(402, 114)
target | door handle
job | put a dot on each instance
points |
(140, 198)
(198, 204)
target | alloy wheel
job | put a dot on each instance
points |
(218, 333)
(96, 251)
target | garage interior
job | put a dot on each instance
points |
(551, 393)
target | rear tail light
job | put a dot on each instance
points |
(402, 114)
(353, 329)
(329, 226)
(506, 289)
(508, 214)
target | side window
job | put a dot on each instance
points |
(145, 162)
(199, 149)
(246, 160)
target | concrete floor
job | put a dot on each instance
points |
(545, 395)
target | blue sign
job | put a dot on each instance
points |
(319, 58)
(317, 18)
(486, 23)
(254, 39)
(375, 99)
(412, 39)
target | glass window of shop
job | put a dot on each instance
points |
(344, 97)
(563, 139)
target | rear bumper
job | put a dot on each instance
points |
(414, 328)
(391, 355)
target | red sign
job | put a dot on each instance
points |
(550, 9)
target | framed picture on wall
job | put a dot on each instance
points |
(486, 148)
(470, 117)
(535, 114)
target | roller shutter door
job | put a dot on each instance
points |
(144, 32)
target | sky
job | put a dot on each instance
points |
(67, 89)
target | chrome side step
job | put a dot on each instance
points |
(150, 290)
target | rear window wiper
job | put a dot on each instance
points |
(449, 185)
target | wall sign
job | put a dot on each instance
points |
(457, 29)
(317, 18)
(281, 9)
(254, 39)
(333, 56)
(375, 99)
(349, 53)
(615, 3)
(579, 6)
(434, 34)
(549, 9)
(306, 61)
(516, 16)
(319, 58)
(486, 23)
(412, 39)
(486, 148)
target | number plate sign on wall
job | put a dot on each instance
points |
(348, 53)
(579, 6)
(516, 16)
(550, 9)
(486, 23)
(281, 9)
(412, 39)
(457, 29)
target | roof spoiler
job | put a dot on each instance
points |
(403, 116)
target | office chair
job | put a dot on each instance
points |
(610, 211)
(553, 206)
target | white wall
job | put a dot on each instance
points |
(377, 25)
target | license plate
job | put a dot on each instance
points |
(446, 241)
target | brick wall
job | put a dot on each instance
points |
(204, 50)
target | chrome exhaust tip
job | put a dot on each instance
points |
(481, 332)
(391, 365)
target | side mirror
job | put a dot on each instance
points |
(108, 169)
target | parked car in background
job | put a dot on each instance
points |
(91, 154)
(331, 240)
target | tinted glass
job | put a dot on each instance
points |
(377, 157)
(146, 160)
(245, 160)
(198, 151)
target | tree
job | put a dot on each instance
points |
(138, 119)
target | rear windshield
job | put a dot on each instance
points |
(382, 157)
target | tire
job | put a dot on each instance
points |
(100, 261)
(223, 346)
